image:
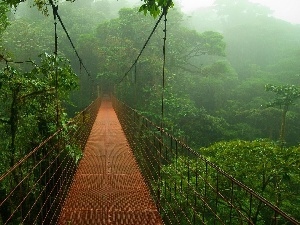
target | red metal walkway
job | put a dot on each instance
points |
(108, 187)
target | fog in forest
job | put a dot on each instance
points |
(232, 76)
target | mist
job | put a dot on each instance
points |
(219, 60)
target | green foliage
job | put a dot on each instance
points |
(212, 43)
(176, 181)
(52, 66)
(207, 97)
(260, 49)
(3, 25)
(30, 104)
(154, 7)
(32, 110)
(121, 38)
(286, 95)
(3, 17)
(40, 4)
(25, 39)
(265, 167)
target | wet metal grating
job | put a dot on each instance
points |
(108, 187)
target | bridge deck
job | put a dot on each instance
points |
(108, 187)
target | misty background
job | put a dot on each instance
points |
(247, 48)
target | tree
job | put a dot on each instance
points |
(286, 95)
(30, 105)
(32, 109)
(190, 56)
(28, 39)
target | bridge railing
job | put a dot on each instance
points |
(187, 188)
(35, 187)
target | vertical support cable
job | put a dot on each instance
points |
(195, 193)
(231, 202)
(164, 65)
(55, 8)
(217, 199)
(205, 192)
(250, 209)
(53, 185)
(162, 108)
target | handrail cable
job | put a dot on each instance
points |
(28, 155)
(177, 145)
(143, 48)
(47, 182)
(72, 121)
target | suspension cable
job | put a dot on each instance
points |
(69, 38)
(55, 8)
(162, 109)
(143, 48)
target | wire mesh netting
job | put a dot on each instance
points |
(36, 186)
(187, 188)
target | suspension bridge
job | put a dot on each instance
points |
(123, 178)
(131, 172)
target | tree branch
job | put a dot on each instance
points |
(32, 94)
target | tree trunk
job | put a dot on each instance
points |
(13, 124)
(283, 121)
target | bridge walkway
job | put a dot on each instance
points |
(108, 187)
